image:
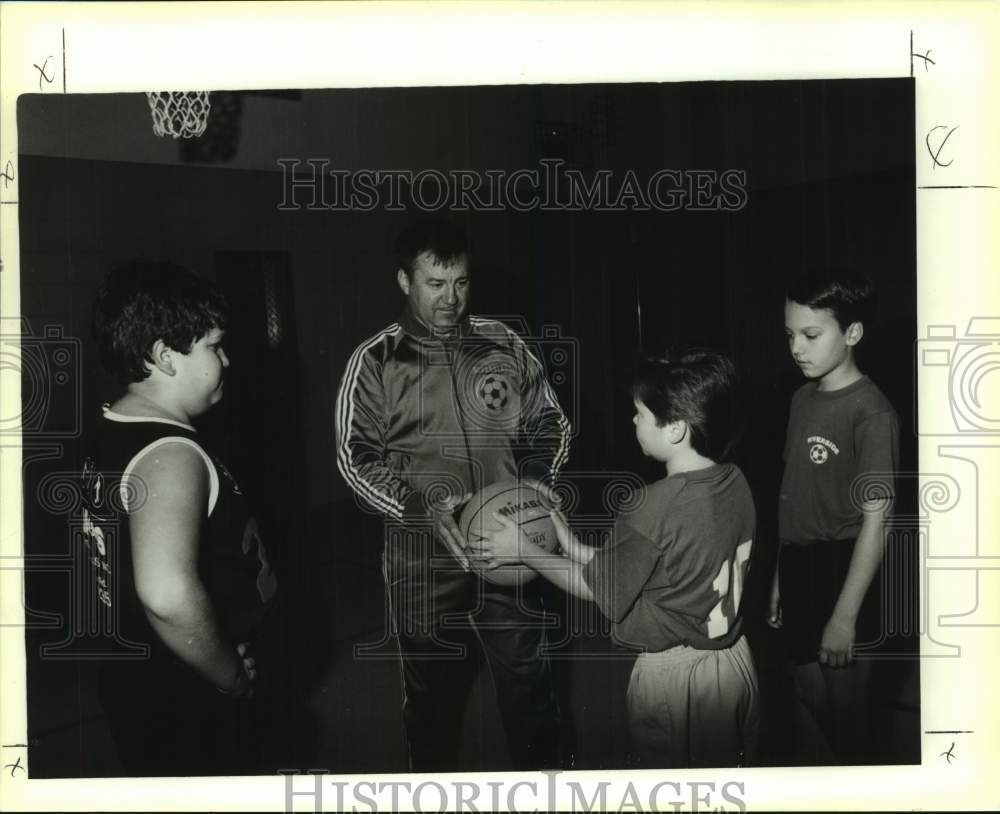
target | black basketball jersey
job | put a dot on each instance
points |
(232, 561)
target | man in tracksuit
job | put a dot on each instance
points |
(430, 410)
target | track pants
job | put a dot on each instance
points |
(441, 617)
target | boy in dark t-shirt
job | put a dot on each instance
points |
(179, 577)
(841, 451)
(671, 576)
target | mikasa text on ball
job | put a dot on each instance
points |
(524, 505)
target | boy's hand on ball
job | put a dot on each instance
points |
(562, 530)
(503, 545)
(837, 643)
(569, 545)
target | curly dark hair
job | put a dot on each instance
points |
(696, 386)
(142, 301)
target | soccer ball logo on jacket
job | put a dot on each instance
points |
(494, 391)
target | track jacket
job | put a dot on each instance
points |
(419, 417)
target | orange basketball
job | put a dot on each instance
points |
(523, 504)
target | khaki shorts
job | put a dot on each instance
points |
(692, 708)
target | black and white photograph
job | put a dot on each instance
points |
(462, 429)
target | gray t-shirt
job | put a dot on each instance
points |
(673, 571)
(841, 448)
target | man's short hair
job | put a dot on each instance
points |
(142, 301)
(692, 385)
(442, 239)
(845, 294)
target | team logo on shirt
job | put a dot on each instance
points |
(820, 449)
(494, 391)
(818, 454)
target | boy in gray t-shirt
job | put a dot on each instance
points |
(841, 452)
(671, 576)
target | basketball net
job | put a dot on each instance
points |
(181, 114)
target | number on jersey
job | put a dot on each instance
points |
(719, 620)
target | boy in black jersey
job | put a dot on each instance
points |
(671, 576)
(179, 574)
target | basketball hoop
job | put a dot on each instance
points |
(180, 114)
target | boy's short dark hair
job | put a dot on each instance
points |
(441, 238)
(696, 386)
(845, 294)
(142, 301)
